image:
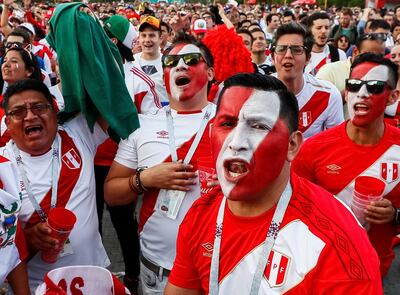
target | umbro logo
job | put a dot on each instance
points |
(209, 248)
(333, 169)
(162, 134)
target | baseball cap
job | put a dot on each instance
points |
(29, 27)
(150, 21)
(199, 26)
(121, 29)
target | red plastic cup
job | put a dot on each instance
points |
(61, 221)
(367, 189)
(206, 169)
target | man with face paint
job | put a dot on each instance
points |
(319, 101)
(267, 232)
(363, 145)
(169, 144)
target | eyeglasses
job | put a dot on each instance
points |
(375, 36)
(37, 109)
(373, 86)
(190, 59)
(294, 49)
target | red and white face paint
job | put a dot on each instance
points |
(365, 107)
(249, 140)
(183, 82)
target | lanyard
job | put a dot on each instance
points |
(199, 134)
(54, 177)
(268, 243)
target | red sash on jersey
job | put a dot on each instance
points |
(323, 62)
(203, 150)
(313, 109)
(71, 166)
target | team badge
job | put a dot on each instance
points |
(276, 270)
(72, 159)
(305, 118)
(389, 171)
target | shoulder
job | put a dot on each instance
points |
(325, 138)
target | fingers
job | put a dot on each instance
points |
(380, 212)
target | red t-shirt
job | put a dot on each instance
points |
(331, 160)
(320, 248)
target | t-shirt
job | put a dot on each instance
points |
(320, 106)
(149, 146)
(336, 73)
(153, 68)
(318, 59)
(13, 247)
(320, 248)
(333, 161)
(76, 192)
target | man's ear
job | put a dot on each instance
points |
(393, 97)
(210, 74)
(295, 142)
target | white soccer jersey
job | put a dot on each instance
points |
(319, 59)
(320, 106)
(147, 147)
(76, 191)
(142, 89)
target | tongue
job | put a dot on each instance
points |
(237, 168)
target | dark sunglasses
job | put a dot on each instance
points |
(190, 59)
(9, 45)
(373, 86)
(375, 36)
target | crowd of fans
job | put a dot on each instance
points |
(171, 61)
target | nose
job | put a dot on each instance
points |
(363, 92)
(29, 114)
(288, 53)
(238, 142)
(181, 65)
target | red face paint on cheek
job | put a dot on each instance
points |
(266, 164)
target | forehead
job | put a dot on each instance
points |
(12, 53)
(15, 39)
(291, 39)
(321, 22)
(258, 34)
(148, 31)
(27, 96)
(185, 48)
(370, 71)
(239, 99)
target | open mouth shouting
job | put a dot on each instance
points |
(182, 81)
(235, 169)
(360, 109)
(33, 130)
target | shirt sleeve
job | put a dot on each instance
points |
(335, 108)
(183, 272)
(127, 151)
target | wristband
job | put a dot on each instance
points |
(139, 184)
(132, 186)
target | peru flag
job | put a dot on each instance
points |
(72, 159)
(276, 269)
(390, 171)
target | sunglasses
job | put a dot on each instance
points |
(375, 36)
(190, 59)
(373, 86)
(37, 109)
(9, 45)
(294, 49)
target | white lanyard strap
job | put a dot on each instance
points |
(268, 243)
(54, 177)
(196, 141)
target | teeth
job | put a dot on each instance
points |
(233, 174)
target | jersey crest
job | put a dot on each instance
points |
(389, 171)
(305, 119)
(276, 269)
(72, 159)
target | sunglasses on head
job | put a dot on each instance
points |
(375, 36)
(373, 86)
(190, 59)
(9, 45)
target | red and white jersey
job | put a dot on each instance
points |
(12, 242)
(149, 146)
(339, 161)
(142, 89)
(319, 59)
(320, 106)
(76, 192)
(320, 248)
(43, 53)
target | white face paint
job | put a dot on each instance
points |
(363, 106)
(183, 81)
(244, 158)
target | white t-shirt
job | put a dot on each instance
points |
(85, 238)
(153, 68)
(149, 146)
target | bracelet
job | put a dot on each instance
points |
(139, 184)
(132, 186)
